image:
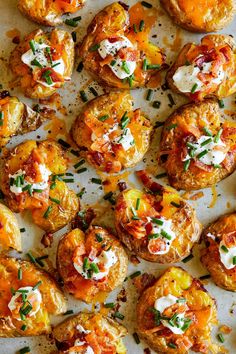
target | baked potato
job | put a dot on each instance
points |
(32, 179)
(201, 16)
(43, 61)
(90, 331)
(219, 255)
(91, 264)
(197, 149)
(28, 296)
(111, 134)
(10, 236)
(116, 49)
(206, 69)
(48, 12)
(176, 314)
(158, 228)
(16, 118)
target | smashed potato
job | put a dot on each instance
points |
(28, 296)
(197, 149)
(116, 48)
(219, 256)
(111, 134)
(201, 16)
(43, 61)
(10, 236)
(32, 179)
(176, 314)
(158, 228)
(206, 69)
(49, 12)
(97, 332)
(91, 264)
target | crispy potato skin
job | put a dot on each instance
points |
(50, 154)
(114, 104)
(18, 118)
(46, 12)
(185, 224)
(115, 21)
(66, 333)
(10, 236)
(85, 289)
(204, 16)
(56, 38)
(179, 283)
(191, 119)
(227, 87)
(53, 302)
(210, 257)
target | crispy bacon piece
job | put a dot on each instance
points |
(148, 182)
(203, 166)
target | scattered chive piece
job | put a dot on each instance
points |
(99, 237)
(24, 350)
(94, 47)
(153, 66)
(149, 95)
(35, 62)
(171, 126)
(32, 46)
(31, 257)
(69, 180)
(166, 235)
(57, 201)
(172, 345)
(103, 118)
(141, 25)
(153, 236)
(23, 328)
(161, 175)
(220, 337)
(187, 259)
(37, 285)
(96, 180)
(137, 204)
(19, 274)
(218, 135)
(113, 62)
(108, 196)
(74, 152)
(93, 91)
(80, 67)
(146, 4)
(74, 36)
(156, 104)
(145, 64)
(157, 221)
(81, 193)
(94, 268)
(47, 212)
(125, 67)
(206, 142)
(81, 162)
(181, 300)
(109, 305)
(68, 312)
(186, 165)
(124, 121)
(136, 338)
(83, 96)
(64, 143)
(234, 260)
(172, 102)
(221, 103)
(81, 170)
(22, 230)
(207, 131)
(203, 153)
(73, 22)
(224, 248)
(203, 277)
(175, 204)
(117, 314)
(193, 89)
(135, 274)
(135, 28)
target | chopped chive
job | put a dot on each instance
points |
(85, 263)
(149, 95)
(109, 305)
(125, 67)
(206, 142)
(135, 274)
(153, 66)
(96, 180)
(80, 163)
(203, 277)
(234, 260)
(99, 237)
(57, 201)
(83, 96)
(157, 221)
(187, 259)
(175, 204)
(23, 328)
(69, 180)
(13, 291)
(171, 126)
(203, 153)
(94, 268)
(141, 25)
(19, 275)
(81, 193)
(136, 338)
(166, 235)
(224, 248)
(27, 310)
(35, 62)
(145, 64)
(172, 345)
(170, 97)
(74, 36)
(24, 350)
(108, 196)
(80, 67)
(218, 135)
(207, 131)
(153, 236)
(31, 257)
(193, 89)
(113, 62)
(42, 257)
(137, 204)
(181, 300)
(135, 217)
(146, 4)
(161, 175)
(73, 22)
(74, 152)
(64, 143)
(22, 230)
(37, 285)
(103, 118)
(93, 91)
(117, 314)
(156, 104)
(68, 312)
(47, 212)
(135, 28)
(81, 170)
(94, 47)
(220, 337)
(53, 185)
(221, 103)
(32, 46)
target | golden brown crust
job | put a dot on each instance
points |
(206, 16)
(221, 229)
(10, 236)
(190, 120)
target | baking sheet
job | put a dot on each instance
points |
(216, 201)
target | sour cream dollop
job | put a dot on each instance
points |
(165, 233)
(117, 64)
(226, 255)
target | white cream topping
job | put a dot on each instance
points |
(186, 77)
(213, 155)
(33, 296)
(18, 189)
(107, 48)
(226, 255)
(40, 55)
(107, 258)
(158, 229)
(163, 303)
(211, 236)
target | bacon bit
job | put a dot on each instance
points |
(200, 348)
(230, 239)
(47, 240)
(1, 225)
(97, 157)
(148, 182)
(156, 245)
(83, 222)
(122, 186)
(129, 54)
(197, 196)
(4, 94)
(136, 228)
(134, 259)
(228, 161)
(48, 113)
(122, 296)
(228, 131)
(225, 329)
(143, 282)
(146, 351)
(16, 40)
(184, 343)
(203, 166)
